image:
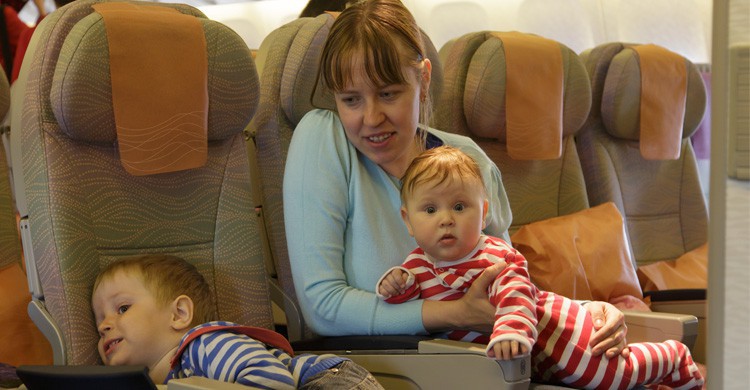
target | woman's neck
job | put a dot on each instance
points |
(397, 167)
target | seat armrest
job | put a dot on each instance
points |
(513, 370)
(341, 345)
(44, 322)
(446, 370)
(450, 346)
(295, 324)
(410, 362)
(656, 327)
(692, 294)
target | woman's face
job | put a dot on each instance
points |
(381, 121)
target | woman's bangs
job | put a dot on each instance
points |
(383, 62)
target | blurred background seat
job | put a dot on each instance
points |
(660, 197)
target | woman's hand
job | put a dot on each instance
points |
(609, 323)
(473, 311)
(479, 312)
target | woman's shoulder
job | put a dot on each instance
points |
(320, 127)
(317, 117)
(320, 124)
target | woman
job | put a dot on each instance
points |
(342, 180)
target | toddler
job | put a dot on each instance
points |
(156, 310)
(444, 205)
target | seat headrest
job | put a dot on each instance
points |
(300, 70)
(617, 85)
(81, 90)
(485, 96)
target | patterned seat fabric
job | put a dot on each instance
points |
(473, 104)
(661, 200)
(10, 246)
(288, 63)
(85, 210)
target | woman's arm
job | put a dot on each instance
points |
(343, 230)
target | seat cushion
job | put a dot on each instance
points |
(583, 255)
(688, 271)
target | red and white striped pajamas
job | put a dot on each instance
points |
(556, 330)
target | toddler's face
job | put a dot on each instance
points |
(134, 329)
(446, 219)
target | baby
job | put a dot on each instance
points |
(444, 205)
(156, 311)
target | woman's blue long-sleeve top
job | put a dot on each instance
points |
(344, 228)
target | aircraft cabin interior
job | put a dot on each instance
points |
(620, 131)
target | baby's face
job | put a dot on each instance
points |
(446, 219)
(134, 329)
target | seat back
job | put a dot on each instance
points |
(661, 199)
(473, 103)
(85, 206)
(288, 62)
(10, 245)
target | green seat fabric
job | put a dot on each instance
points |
(661, 200)
(472, 103)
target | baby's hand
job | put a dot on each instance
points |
(508, 349)
(394, 283)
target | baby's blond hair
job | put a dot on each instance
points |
(438, 165)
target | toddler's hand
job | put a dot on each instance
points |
(508, 349)
(393, 284)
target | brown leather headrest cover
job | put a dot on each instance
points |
(158, 66)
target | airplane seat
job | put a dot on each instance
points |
(4, 98)
(10, 244)
(121, 159)
(21, 341)
(10, 248)
(636, 152)
(541, 187)
(270, 132)
(473, 103)
(701, 138)
(289, 58)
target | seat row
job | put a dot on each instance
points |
(599, 162)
